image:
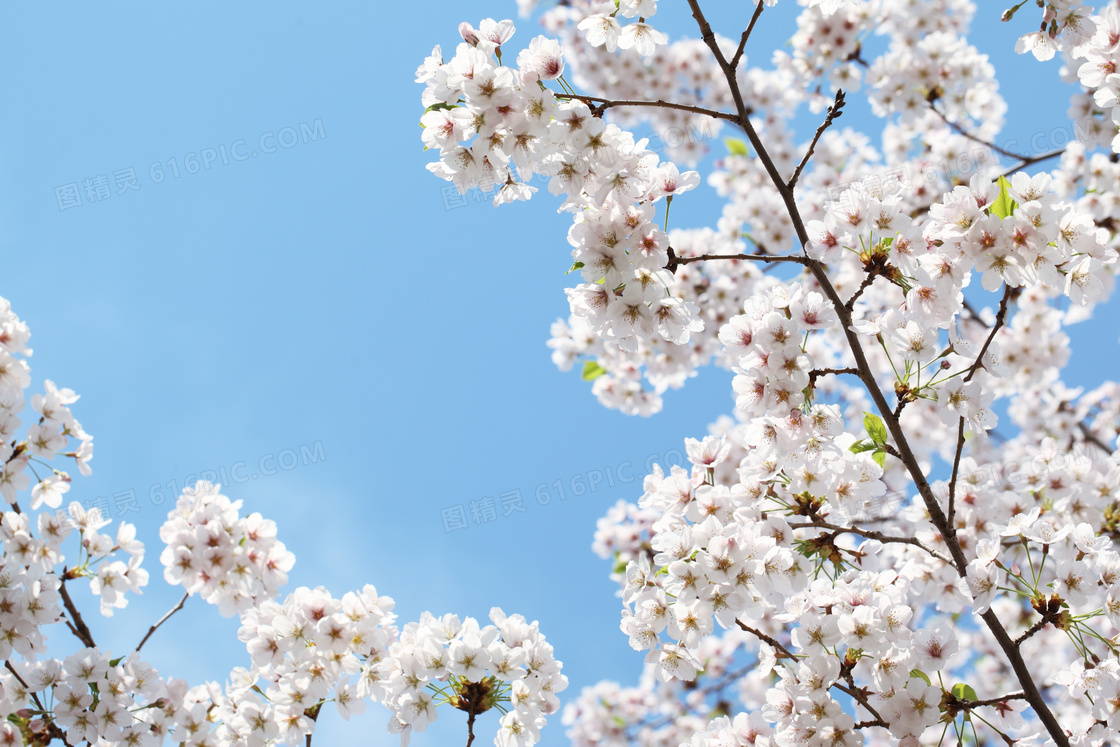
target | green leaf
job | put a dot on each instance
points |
(1003, 205)
(863, 445)
(736, 147)
(875, 428)
(880, 457)
(592, 370)
(962, 691)
(439, 106)
(920, 675)
(575, 266)
(619, 566)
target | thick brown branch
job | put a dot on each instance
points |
(162, 620)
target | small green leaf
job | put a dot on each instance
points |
(575, 266)
(592, 370)
(880, 457)
(439, 106)
(863, 445)
(619, 565)
(1003, 205)
(875, 428)
(736, 147)
(962, 691)
(920, 675)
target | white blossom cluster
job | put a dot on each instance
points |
(231, 561)
(519, 128)
(304, 652)
(52, 434)
(448, 660)
(863, 536)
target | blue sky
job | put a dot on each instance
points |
(318, 307)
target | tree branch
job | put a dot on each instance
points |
(768, 639)
(962, 131)
(1024, 163)
(909, 460)
(746, 35)
(833, 113)
(860, 698)
(873, 535)
(956, 469)
(675, 261)
(604, 104)
(78, 628)
(162, 620)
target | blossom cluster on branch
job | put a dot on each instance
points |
(893, 314)
(303, 652)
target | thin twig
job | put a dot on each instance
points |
(604, 104)
(78, 628)
(873, 535)
(768, 639)
(470, 728)
(1001, 316)
(816, 373)
(962, 131)
(867, 281)
(675, 261)
(1092, 438)
(833, 113)
(956, 469)
(993, 701)
(162, 620)
(746, 35)
(1024, 163)
(863, 701)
